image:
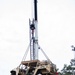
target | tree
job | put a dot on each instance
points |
(67, 70)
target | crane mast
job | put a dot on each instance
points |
(34, 35)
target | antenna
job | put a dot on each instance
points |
(34, 35)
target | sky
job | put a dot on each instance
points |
(56, 31)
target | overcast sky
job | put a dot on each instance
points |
(56, 30)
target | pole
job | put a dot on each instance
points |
(36, 29)
(34, 35)
(35, 10)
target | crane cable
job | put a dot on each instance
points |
(45, 55)
(26, 52)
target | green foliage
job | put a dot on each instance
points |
(67, 70)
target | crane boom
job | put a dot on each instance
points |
(35, 9)
(34, 35)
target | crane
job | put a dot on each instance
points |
(34, 66)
